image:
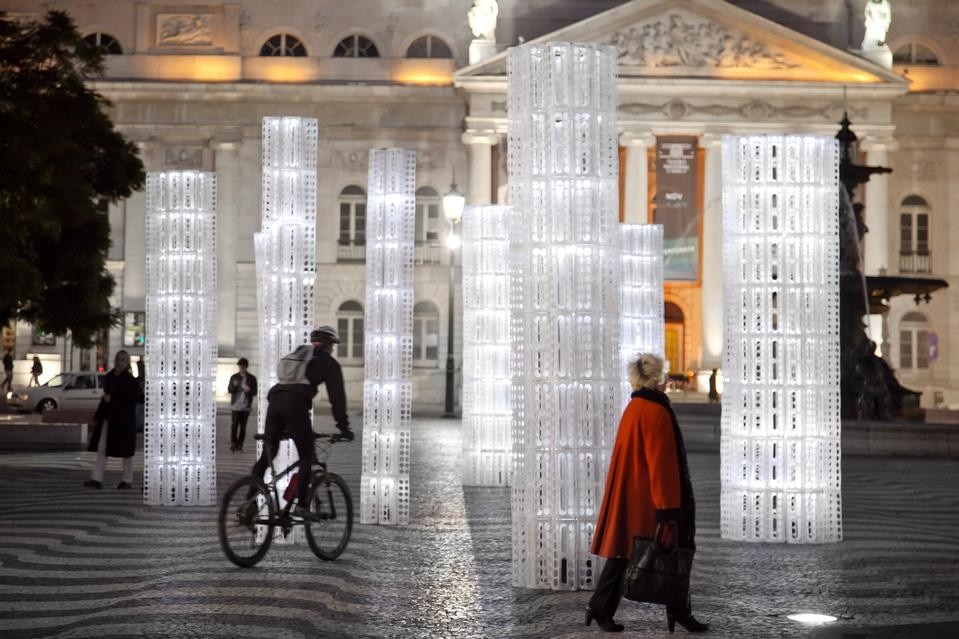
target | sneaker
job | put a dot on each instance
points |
(300, 511)
(93, 483)
(124, 485)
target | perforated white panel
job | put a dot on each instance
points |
(565, 304)
(780, 423)
(388, 357)
(642, 293)
(487, 449)
(179, 441)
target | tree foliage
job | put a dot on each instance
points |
(59, 155)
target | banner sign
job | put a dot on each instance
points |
(676, 204)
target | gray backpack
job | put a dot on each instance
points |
(292, 368)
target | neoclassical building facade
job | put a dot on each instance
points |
(190, 82)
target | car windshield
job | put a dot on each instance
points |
(58, 381)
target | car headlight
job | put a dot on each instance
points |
(24, 397)
(9, 394)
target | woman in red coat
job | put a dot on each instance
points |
(648, 490)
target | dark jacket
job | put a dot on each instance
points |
(648, 480)
(37, 368)
(322, 369)
(119, 413)
(7, 363)
(236, 384)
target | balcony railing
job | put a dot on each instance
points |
(915, 263)
(351, 253)
(427, 253)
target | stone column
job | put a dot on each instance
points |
(134, 236)
(636, 200)
(876, 258)
(712, 254)
(226, 162)
(480, 144)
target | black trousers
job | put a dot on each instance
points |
(289, 414)
(238, 427)
(609, 589)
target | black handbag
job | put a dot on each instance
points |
(656, 575)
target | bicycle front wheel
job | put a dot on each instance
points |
(331, 506)
(246, 522)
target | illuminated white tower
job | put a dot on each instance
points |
(179, 442)
(565, 304)
(642, 292)
(388, 350)
(285, 251)
(780, 422)
(487, 449)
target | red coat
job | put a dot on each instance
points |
(643, 478)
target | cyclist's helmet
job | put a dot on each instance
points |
(326, 334)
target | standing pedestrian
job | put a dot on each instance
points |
(115, 432)
(242, 390)
(8, 370)
(35, 372)
(713, 386)
(648, 493)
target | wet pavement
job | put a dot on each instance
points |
(77, 562)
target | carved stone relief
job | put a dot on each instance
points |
(351, 159)
(690, 41)
(184, 29)
(183, 156)
(753, 110)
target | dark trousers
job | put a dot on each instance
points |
(609, 588)
(8, 380)
(289, 414)
(238, 427)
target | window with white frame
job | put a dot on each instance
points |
(915, 54)
(426, 333)
(429, 46)
(283, 45)
(427, 215)
(914, 217)
(352, 203)
(349, 324)
(914, 342)
(356, 46)
(106, 43)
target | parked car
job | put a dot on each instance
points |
(68, 391)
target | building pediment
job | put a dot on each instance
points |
(705, 39)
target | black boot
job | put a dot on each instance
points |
(686, 620)
(605, 623)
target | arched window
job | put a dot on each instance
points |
(106, 43)
(349, 324)
(915, 54)
(914, 254)
(913, 342)
(426, 332)
(283, 44)
(356, 46)
(352, 203)
(427, 215)
(429, 46)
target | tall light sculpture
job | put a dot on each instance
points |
(388, 351)
(642, 292)
(565, 304)
(487, 449)
(179, 447)
(285, 251)
(780, 422)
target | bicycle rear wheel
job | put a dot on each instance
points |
(328, 530)
(246, 523)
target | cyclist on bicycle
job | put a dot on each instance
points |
(288, 413)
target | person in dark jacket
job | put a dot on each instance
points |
(289, 407)
(648, 493)
(35, 372)
(8, 370)
(115, 431)
(242, 390)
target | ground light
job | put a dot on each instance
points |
(811, 618)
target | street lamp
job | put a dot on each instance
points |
(453, 203)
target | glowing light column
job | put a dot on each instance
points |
(565, 304)
(285, 256)
(487, 449)
(179, 442)
(780, 422)
(642, 292)
(388, 356)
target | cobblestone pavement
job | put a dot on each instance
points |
(76, 562)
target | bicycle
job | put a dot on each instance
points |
(247, 523)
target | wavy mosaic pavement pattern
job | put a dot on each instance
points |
(75, 562)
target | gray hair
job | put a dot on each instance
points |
(646, 369)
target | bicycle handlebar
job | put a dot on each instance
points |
(331, 437)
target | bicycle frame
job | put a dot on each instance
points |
(284, 520)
